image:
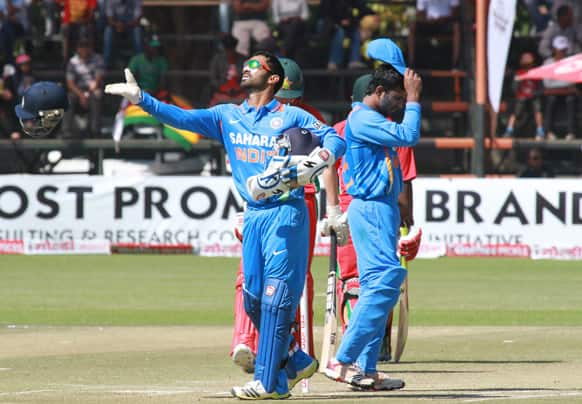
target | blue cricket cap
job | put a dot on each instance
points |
(386, 51)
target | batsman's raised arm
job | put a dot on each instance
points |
(203, 121)
(373, 127)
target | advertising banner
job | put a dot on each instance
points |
(501, 217)
(541, 219)
(48, 212)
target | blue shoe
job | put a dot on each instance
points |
(300, 366)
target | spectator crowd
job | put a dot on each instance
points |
(91, 32)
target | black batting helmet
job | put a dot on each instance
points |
(42, 107)
(298, 141)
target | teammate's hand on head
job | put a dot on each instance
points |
(412, 85)
(337, 221)
(409, 245)
(129, 90)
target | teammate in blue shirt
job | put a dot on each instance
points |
(275, 244)
(372, 175)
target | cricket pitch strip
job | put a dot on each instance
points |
(191, 364)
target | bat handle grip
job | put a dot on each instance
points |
(333, 239)
(404, 232)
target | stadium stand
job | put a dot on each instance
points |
(189, 31)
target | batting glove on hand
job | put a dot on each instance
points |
(409, 245)
(269, 182)
(129, 90)
(337, 221)
(308, 167)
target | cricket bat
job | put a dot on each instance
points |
(402, 334)
(330, 326)
(304, 327)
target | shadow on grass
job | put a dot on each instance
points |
(357, 395)
(420, 372)
(391, 395)
(448, 394)
(484, 362)
(510, 389)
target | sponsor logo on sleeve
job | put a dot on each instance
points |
(324, 154)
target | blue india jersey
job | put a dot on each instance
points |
(371, 167)
(247, 133)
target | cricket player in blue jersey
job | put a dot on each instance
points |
(372, 176)
(275, 243)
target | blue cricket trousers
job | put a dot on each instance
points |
(374, 225)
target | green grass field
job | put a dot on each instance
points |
(187, 290)
(129, 328)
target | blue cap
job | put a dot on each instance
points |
(41, 96)
(386, 51)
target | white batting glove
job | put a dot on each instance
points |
(308, 167)
(337, 221)
(129, 90)
(270, 182)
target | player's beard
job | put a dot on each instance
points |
(392, 106)
(254, 84)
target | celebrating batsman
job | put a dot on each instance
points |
(275, 242)
(245, 336)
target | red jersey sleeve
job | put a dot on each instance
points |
(407, 163)
(340, 128)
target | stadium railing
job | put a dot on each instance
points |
(99, 147)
